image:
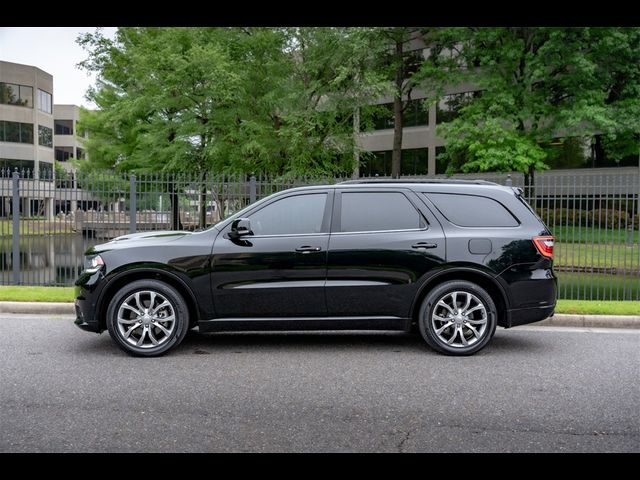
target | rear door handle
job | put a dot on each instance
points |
(424, 245)
(307, 249)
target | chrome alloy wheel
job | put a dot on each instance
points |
(459, 319)
(146, 319)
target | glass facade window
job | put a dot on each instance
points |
(449, 105)
(376, 163)
(80, 153)
(9, 164)
(415, 115)
(14, 94)
(45, 136)
(63, 127)
(414, 161)
(12, 132)
(26, 133)
(45, 103)
(16, 132)
(62, 154)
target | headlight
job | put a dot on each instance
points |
(93, 264)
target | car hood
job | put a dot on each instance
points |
(139, 240)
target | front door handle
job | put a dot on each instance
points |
(424, 245)
(307, 249)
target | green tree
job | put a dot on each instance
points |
(235, 100)
(160, 95)
(536, 85)
(274, 100)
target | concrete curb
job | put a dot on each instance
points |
(51, 308)
(591, 321)
(558, 320)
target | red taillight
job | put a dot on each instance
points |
(544, 245)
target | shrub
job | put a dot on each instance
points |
(599, 217)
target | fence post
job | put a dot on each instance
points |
(509, 181)
(252, 189)
(132, 204)
(15, 254)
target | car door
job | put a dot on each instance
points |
(279, 270)
(383, 243)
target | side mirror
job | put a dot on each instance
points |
(240, 227)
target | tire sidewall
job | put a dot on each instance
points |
(429, 304)
(170, 293)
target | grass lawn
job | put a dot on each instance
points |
(597, 255)
(36, 294)
(65, 294)
(598, 307)
(597, 286)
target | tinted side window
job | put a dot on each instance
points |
(374, 211)
(290, 216)
(473, 210)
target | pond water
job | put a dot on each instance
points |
(45, 259)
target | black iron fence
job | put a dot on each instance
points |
(592, 213)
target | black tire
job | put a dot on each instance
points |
(428, 326)
(177, 305)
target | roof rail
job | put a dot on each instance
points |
(414, 180)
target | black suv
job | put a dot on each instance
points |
(452, 259)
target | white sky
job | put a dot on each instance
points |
(54, 50)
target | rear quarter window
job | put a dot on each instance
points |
(472, 210)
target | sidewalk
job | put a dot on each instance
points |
(558, 320)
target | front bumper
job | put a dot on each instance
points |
(88, 288)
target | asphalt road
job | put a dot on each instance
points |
(544, 389)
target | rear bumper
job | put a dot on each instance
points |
(532, 294)
(523, 316)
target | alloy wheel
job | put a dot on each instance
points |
(459, 319)
(146, 319)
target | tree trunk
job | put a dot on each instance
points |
(356, 153)
(176, 224)
(202, 202)
(397, 112)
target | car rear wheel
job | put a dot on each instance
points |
(457, 318)
(147, 318)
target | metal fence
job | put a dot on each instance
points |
(592, 213)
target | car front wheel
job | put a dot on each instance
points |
(458, 318)
(147, 318)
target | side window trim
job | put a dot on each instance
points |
(336, 227)
(326, 216)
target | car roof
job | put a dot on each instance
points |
(428, 185)
(414, 181)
